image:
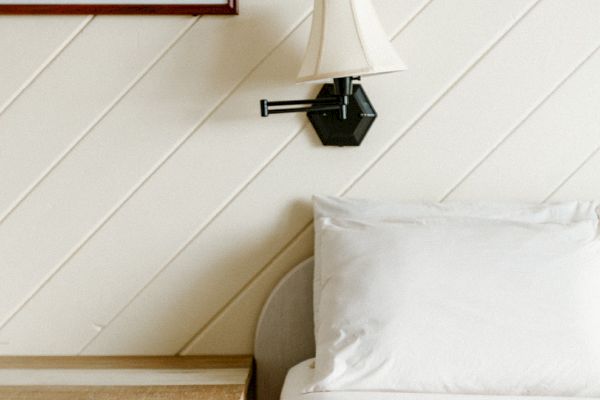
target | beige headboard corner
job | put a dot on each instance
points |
(285, 330)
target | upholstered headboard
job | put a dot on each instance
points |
(285, 331)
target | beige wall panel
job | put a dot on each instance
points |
(242, 239)
(43, 122)
(155, 118)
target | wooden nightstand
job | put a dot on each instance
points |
(111, 378)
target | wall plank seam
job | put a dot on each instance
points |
(45, 65)
(523, 120)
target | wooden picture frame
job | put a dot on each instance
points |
(228, 7)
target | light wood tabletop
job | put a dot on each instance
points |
(111, 378)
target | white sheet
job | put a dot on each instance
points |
(301, 375)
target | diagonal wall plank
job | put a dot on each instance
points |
(100, 167)
(562, 132)
(103, 59)
(28, 46)
(206, 274)
(583, 183)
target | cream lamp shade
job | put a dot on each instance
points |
(347, 39)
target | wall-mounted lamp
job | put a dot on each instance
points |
(346, 41)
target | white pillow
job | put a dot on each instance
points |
(339, 207)
(459, 305)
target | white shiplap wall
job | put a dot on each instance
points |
(146, 208)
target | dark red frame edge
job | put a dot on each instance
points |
(231, 8)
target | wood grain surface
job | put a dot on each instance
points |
(121, 362)
(79, 365)
(214, 392)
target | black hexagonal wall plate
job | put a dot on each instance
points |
(334, 131)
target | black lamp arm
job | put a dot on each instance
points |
(338, 102)
(326, 104)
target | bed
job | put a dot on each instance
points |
(464, 300)
(285, 347)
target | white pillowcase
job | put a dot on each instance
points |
(459, 305)
(369, 210)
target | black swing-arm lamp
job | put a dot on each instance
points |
(341, 48)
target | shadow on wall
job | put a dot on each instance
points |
(210, 281)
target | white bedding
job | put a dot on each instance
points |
(301, 375)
